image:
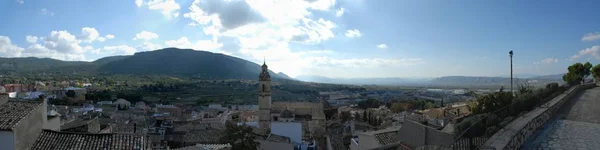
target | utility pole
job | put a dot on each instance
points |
(511, 71)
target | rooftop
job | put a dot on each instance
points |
(49, 139)
(165, 106)
(77, 123)
(203, 136)
(385, 136)
(13, 111)
(205, 147)
(278, 138)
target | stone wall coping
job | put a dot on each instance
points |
(504, 136)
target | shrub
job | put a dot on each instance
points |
(491, 130)
(492, 120)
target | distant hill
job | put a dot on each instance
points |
(460, 81)
(169, 61)
(362, 81)
(35, 64)
(106, 60)
(550, 77)
(187, 62)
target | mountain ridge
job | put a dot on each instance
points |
(167, 61)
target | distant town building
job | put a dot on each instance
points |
(122, 104)
(170, 109)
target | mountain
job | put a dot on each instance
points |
(520, 76)
(169, 61)
(461, 81)
(360, 81)
(550, 77)
(285, 76)
(187, 62)
(28, 64)
(106, 60)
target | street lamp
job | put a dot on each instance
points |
(511, 71)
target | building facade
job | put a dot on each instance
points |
(264, 97)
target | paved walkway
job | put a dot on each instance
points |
(577, 126)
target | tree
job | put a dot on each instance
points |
(398, 107)
(587, 69)
(344, 116)
(429, 105)
(240, 137)
(596, 71)
(369, 103)
(577, 73)
(70, 93)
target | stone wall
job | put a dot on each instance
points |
(269, 145)
(29, 128)
(415, 134)
(519, 130)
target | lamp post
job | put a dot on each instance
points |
(511, 71)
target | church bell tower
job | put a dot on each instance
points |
(264, 97)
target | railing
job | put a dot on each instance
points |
(474, 136)
(524, 133)
(469, 143)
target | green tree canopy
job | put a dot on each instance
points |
(577, 73)
(240, 137)
(70, 93)
(398, 107)
(370, 103)
(596, 71)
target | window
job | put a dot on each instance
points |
(263, 88)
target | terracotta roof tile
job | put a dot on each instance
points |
(13, 111)
(386, 137)
(49, 139)
(278, 138)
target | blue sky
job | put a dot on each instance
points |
(333, 38)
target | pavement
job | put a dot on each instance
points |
(577, 125)
(506, 134)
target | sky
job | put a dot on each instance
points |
(331, 38)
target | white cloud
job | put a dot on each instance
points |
(591, 36)
(382, 46)
(109, 36)
(31, 39)
(45, 11)
(547, 61)
(222, 15)
(89, 35)
(20, 1)
(118, 50)
(593, 51)
(63, 41)
(316, 62)
(145, 35)
(147, 46)
(184, 42)
(7, 49)
(38, 50)
(323, 5)
(169, 8)
(339, 12)
(60, 45)
(254, 29)
(353, 33)
(314, 32)
(139, 3)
